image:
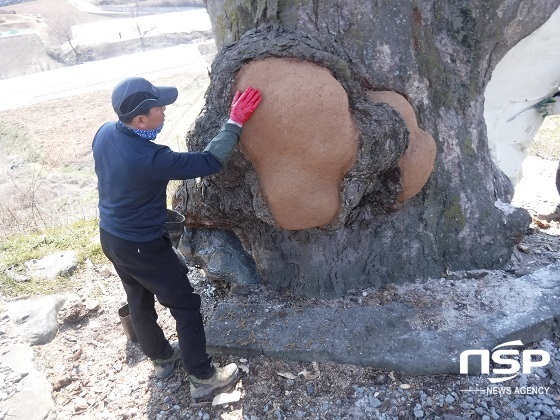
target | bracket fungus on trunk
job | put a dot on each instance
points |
(313, 150)
(417, 163)
(302, 140)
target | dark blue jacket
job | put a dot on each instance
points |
(133, 174)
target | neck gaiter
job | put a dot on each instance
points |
(145, 134)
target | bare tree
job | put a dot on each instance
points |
(63, 31)
(142, 32)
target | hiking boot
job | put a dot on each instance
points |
(223, 378)
(163, 368)
(552, 216)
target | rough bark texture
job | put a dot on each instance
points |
(437, 54)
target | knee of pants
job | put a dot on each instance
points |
(180, 299)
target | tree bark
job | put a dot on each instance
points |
(439, 55)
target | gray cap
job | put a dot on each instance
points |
(135, 96)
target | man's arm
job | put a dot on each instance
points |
(242, 107)
(171, 165)
(221, 146)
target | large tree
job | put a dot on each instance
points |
(335, 185)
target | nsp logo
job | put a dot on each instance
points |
(503, 356)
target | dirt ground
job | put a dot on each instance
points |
(97, 374)
(44, 24)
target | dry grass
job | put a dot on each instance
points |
(36, 195)
(17, 250)
(16, 141)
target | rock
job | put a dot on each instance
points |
(547, 411)
(396, 331)
(80, 404)
(108, 271)
(34, 400)
(418, 414)
(221, 255)
(93, 305)
(37, 318)
(374, 402)
(14, 275)
(226, 398)
(554, 369)
(73, 310)
(54, 265)
(60, 382)
(546, 400)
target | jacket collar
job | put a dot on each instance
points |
(125, 130)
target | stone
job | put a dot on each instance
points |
(93, 305)
(54, 265)
(61, 381)
(73, 310)
(449, 399)
(226, 398)
(554, 369)
(547, 411)
(80, 404)
(394, 336)
(220, 253)
(34, 400)
(418, 414)
(14, 275)
(36, 319)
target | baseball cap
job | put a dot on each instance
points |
(135, 95)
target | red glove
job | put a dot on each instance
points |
(244, 104)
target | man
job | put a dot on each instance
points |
(558, 178)
(133, 173)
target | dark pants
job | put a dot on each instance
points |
(152, 268)
(558, 178)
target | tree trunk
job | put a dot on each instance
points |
(439, 56)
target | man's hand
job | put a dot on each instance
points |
(244, 104)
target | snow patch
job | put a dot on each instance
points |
(529, 72)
